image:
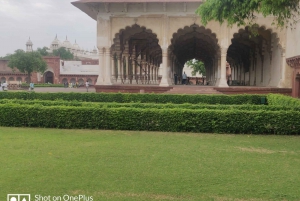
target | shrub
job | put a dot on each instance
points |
(176, 120)
(142, 98)
(282, 100)
(147, 105)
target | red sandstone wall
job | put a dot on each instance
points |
(53, 63)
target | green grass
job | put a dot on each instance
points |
(123, 165)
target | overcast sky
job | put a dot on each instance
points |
(41, 20)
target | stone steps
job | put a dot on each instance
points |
(183, 89)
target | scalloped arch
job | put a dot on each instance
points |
(190, 28)
(132, 28)
(262, 27)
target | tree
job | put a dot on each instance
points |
(7, 56)
(43, 51)
(243, 12)
(197, 66)
(63, 53)
(27, 62)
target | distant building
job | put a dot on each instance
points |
(58, 71)
(75, 49)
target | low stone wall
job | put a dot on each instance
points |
(131, 89)
(254, 90)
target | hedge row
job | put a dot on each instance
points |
(176, 120)
(147, 105)
(142, 98)
(282, 100)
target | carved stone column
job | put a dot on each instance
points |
(165, 81)
(107, 78)
(112, 67)
(283, 64)
(152, 75)
(100, 79)
(218, 69)
(223, 81)
(119, 59)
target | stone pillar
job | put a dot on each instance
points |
(100, 79)
(165, 81)
(113, 71)
(283, 66)
(223, 81)
(140, 69)
(155, 74)
(232, 73)
(152, 67)
(218, 70)
(133, 68)
(107, 67)
(120, 73)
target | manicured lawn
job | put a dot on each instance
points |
(123, 165)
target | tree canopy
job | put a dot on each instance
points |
(27, 62)
(197, 66)
(7, 56)
(243, 12)
(63, 53)
(43, 51)
(60, 52)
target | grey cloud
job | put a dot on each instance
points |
(42, 20)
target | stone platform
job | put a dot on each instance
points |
(254, 90)
(132, 88)
(191, 89)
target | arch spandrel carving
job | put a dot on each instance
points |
(153, 23)
(178, 23)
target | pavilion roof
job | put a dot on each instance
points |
(82, 4)
(133, 1)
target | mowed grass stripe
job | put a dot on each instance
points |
(123, 165)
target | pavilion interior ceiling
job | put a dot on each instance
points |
(137, 56)
(246, 47)
(194, 42)
(138, 42)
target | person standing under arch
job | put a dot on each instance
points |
(87, 84)
(184, 76)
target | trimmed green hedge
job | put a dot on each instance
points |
(142, 98)
(176, 120)
(147, 105)
(282, 100)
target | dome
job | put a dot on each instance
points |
(95, 50)
(29, 42)
(76, 46)
(55, 41)
(67, 44)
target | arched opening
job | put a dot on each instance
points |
(19, 79)
(11, 79)
(194, 43)
(3, 79)
(73, 81)
(255, 60)
(65, 80)
(136, 56)
(90, 81)
(49, 77)
(81, 82)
